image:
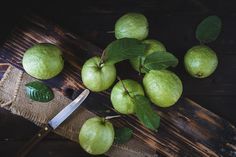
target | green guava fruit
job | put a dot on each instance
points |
(131, 25)
(153, 46)
(121, 100)
(43, 61)
(163, 87)
(200, 61)
(98, 76)
(96, 136)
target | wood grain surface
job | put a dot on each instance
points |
(186, 129)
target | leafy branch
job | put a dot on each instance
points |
(143, 110)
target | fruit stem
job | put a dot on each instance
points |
(201, 43)
(100, 64)
(110, 31)
(102, 58)
(103, 120)
(111, 117)
(126, 90)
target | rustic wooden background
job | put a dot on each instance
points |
(171, 22)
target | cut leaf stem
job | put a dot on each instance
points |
(102, 58)
(126, 90)
(111, 117)
(110, 32)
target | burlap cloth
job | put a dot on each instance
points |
(13, 98)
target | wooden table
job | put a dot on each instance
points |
(172, 23)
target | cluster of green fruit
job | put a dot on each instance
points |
(162, 86)
(149, 57)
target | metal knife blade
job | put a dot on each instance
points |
(68, 110)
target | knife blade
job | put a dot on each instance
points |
(66, 112)
(53, 123)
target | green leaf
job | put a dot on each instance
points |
(145, 113)
(160, 60)
(123, 135)
(122, 49)
(209, 29)
(38, 91)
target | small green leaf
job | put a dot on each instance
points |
(145, 113)
(122, 49)
(123, 135)
(38, 91)
(209, 29)
(160, 60)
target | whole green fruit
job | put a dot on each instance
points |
(163, 87)
(96, 136)
(43, 61)
(200, 61)
(96, 76)
(131, 25)
(153, 46)
(121, 99)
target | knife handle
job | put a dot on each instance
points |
(34, 141)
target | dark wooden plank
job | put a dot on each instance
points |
(215, 103)
(186, 129)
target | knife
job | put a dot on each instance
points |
(53, 123)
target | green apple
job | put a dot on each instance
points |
(121, 97)
(131, 25)
(153, 46)
(96, 135)
(163, 87)
(43, 61)
(200, 61)
(98, 76)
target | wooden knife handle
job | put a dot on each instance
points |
(34, 141)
